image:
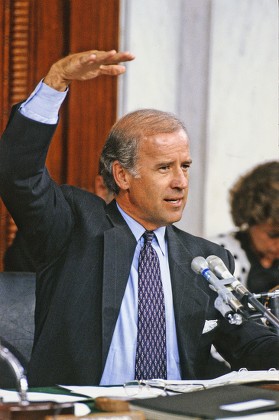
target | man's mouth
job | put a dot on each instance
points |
(174, 200)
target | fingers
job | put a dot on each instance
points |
(123, 57)
(88, 58)
(103, 62)
(112, 69)
(104, 57)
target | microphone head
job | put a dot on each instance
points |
(199, 264)
(213, 259)
(218, 267)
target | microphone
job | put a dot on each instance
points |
(217, 265)
(226, 302)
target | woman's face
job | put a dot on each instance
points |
(265, 241)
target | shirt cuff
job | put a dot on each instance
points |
(43, 104)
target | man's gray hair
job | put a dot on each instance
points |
(123, 140)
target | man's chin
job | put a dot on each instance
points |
(175, 219)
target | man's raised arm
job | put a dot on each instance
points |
(85, 66)
(36, 203)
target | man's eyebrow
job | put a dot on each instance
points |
(170, 162)
(187, 162)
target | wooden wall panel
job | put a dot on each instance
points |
(92, 105)
(15, 23)
(51, 42)
(34, 34)
(4, 61)
(4, 102)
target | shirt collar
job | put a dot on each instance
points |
(138, 230)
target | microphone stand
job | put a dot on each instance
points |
(238, 302)
(273, 294)
(37, 410)
(247, 296)
(226, 303)
(22, 384)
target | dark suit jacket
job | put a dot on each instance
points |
(17, 257)
(83, 252)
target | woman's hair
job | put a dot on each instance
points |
(254, 198)
(123, 140)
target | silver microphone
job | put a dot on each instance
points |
(217, 265)
(226, 302)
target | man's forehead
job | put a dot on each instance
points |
(166, 139)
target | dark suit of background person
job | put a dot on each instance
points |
(83, 251)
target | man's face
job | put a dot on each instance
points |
(157, 195)
(265, 240)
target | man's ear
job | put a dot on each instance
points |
(121, 176)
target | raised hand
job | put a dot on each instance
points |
(86, 65)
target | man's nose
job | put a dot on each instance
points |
(180, 179)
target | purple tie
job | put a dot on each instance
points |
(151, 360)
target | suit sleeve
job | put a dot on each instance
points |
(34, 200)
(250, 345)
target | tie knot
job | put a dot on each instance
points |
(148, 236)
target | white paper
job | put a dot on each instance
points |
(235, 377)
(247, 405)
(13, 397)
(111, 391)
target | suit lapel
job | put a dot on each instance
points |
(190, 301)
(119, 248)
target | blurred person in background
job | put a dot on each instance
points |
(254, 205)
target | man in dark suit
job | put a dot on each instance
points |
(86, 252)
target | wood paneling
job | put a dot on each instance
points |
(15, 23)
(4, 101)
(92, 106)
(34, 34)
